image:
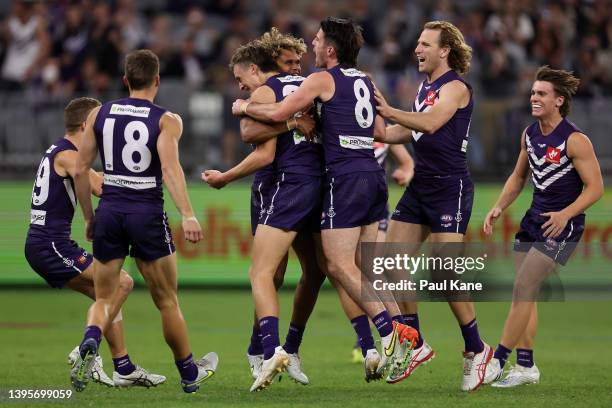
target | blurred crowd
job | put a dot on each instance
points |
(66, 47)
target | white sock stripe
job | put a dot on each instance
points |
(65, 261)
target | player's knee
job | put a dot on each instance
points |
(126, 283)
(165, 301)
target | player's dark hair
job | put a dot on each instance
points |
(255, 52)
(460, 54)
(346, 38)
(76, 112)
(141, 68)
(564, 83)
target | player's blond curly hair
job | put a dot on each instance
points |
(460, 54)
(275, 42)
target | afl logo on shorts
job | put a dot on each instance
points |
(550, 244)
(446, 218)
(82, 259)
(553, 155)
(430, 99)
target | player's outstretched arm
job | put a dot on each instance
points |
(317, 85)
(580, 150)
(405, 165)
(171, 127)
(257, 159)
(87, 154)
(452, 96)
(512, 188)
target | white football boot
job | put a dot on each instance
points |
(519, 375)
(370, 364)
(255, 362)
(270, 368)
(420, 356)
(138, 377)
(475, 367)
(207, 366)
(97, 370)
(294, 369)
(494, 371)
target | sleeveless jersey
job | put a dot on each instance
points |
(347, 123)
(294, 154)
(53, 198)
(556, 182)
(126, 133)
(443, 152)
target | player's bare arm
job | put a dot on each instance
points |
(512, 188)
(395, 134)
(65, 164)
(318, 85)
(581, 152)
(257, 159)
(171, 127)
(87, 154)
(453, 96)
(252, 131)
(405, 165)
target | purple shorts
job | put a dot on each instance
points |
(559, 249)
(354, 199)
(295, 203)
(444, 204)
(143, 236)
(57, 262)
(261, 192)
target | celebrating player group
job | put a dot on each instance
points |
(318, 187)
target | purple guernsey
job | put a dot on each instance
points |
(294, 154)
(348, 123)
(53, 198)
(443, 152)
(556, 182)
(126, 133)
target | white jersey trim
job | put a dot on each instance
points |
(131, 182)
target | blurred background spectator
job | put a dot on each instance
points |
(53, 50)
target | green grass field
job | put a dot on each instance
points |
(39, 328)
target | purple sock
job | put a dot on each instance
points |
(471, 337)
(269, 331)
(123, 365)
(412, 320)
(255, 346)
(361, 325)
(524, 357)
(92, 332)
(294, 338)
(502, 353)
(383, 323)
(187, 368)
(399, 319)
